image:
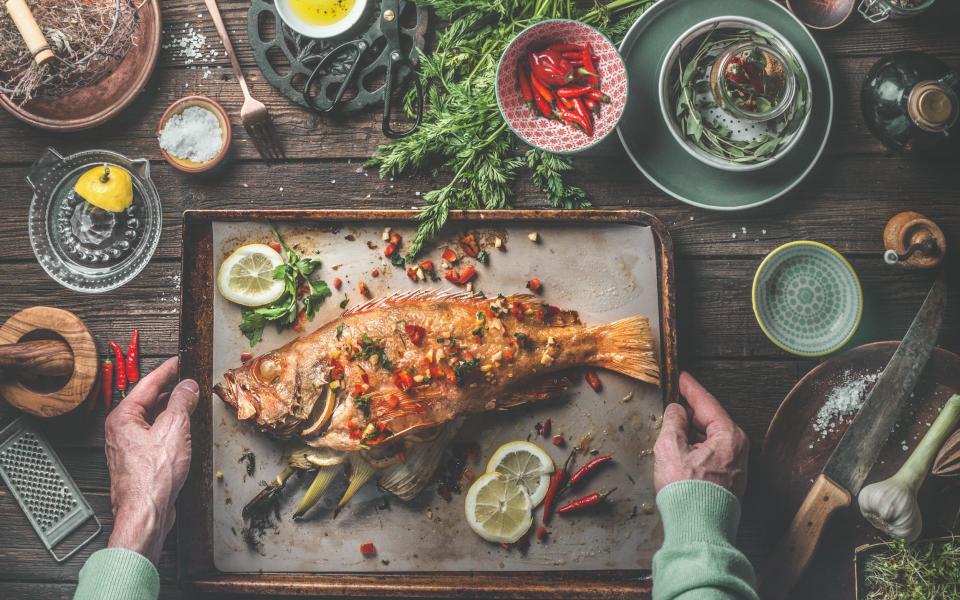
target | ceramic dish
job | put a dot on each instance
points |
(657, 154)
(96, 104)
(880, 10)
(294, 22)
(551, 134)
(807, 298)
(741, 128)
(187, 165)
(820, 14)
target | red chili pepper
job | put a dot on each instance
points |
(584, 502)
(106, 382)
(598, 96)
(580, 108)
(461, 277)
(415, 333)
(389, 250)
(526, 90)
(120, 365)
(558, 480)
(591, 104)
(572, 91)
(564, 48)
(534, 285)
(133, 358)
(470, 246)
(574, 55)
(337, 282)
(246, 356)
(578, 120)
(581, 475)
(550, 67)
(593, 379)
(449, 255)
(541, 90)
(541, 533)
(276, 246)
(587, 57)
(368, 550)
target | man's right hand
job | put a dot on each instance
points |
(704, 444)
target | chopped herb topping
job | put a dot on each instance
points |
(483, 257)
(464, 367)
(339, 331)
(363, 405)
(523, 341)
(398, 260)
(369, 347)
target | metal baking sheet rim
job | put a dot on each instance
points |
(196, 291)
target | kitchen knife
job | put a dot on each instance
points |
(851, 461)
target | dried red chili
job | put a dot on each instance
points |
(593, 380)
(120, 366)
(133, 358)
(585, 502)
(546, 427)
(583, 472)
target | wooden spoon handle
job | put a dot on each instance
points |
(39, 357)
(27, 26)
(799, 544)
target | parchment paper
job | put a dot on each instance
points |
(605, 271)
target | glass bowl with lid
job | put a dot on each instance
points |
(80, 246)
(735, 93)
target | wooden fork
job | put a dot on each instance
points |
(253, 113)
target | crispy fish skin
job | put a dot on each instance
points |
(415, 360)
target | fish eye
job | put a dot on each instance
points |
(268, 369)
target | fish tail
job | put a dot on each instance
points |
(626, 346)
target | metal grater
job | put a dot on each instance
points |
(43, 488)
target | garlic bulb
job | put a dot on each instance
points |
(891, 505)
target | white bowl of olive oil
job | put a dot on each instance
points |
(321, 18)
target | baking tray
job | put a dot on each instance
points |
(203, 564)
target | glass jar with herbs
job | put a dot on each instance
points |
(880, 10)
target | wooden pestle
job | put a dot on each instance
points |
(27, 26)
(39, 357)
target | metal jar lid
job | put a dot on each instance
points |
(932, 107)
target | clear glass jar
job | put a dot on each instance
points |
(736, 74)
(879, 10)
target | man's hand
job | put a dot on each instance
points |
(148, 454)
(713, 449)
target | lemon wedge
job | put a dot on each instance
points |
(246, 276)
(497, 509)
(108, 187)
(526, 464)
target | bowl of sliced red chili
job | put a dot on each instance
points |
(561, 86)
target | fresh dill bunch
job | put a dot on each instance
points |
(463, 134)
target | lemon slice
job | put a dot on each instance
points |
(498, 509)
(526, 464)
(246, 277)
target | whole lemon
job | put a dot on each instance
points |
(107, 187)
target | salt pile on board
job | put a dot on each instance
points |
(194, 134)
(843, 402)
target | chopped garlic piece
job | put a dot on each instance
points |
(497, 243)
(534, 236)
(497, 356)
(418, 378)
(485, 368)
(386, 234)
(546, 359)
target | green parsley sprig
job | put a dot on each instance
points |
(294, 273)
(463, 134)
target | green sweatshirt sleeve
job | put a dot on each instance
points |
(117, 574)
(698, 560)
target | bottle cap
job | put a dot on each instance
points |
(932, 107)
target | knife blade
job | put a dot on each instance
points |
(850, 463)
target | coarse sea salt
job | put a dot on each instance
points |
(843, 402)
(193, 134)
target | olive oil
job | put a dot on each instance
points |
(321, 12)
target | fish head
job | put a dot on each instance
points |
(274, 389)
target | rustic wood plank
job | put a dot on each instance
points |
(15, 590)
(845, 201)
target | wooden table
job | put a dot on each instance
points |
(845, 202)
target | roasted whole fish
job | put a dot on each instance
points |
(385, 385)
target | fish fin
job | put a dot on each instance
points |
(626, 346)
(406, 297)
(407, 479)
(552, 316)
(536, 390)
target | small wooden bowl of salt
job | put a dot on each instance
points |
(194, 134)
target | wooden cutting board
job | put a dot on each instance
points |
(794, 453)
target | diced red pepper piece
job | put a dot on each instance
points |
(337, 282)
(395, 239)
(546, 427)
(426, 266)
(364, 290)
(449, 255)
(461, 277)
(246, 356)
(368, 550)
(534, 285)
(276, 246)
(390, 250)
(470, 246)
(415, 333)
(403, 380)
(375, 273)
(594, 380)
(412, 273)
(558, 440)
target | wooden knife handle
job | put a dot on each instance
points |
(796, 549)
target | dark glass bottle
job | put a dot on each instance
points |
(909, 100)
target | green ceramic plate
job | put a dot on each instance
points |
(807, 298)
(657, 154)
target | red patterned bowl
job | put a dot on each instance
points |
(551, 134)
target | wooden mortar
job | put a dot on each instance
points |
(83, 356)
